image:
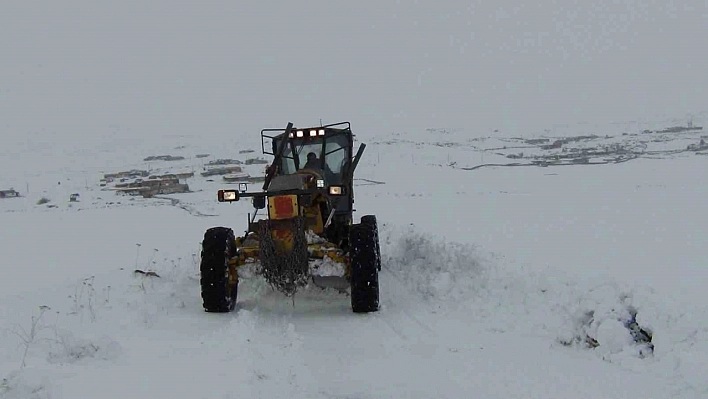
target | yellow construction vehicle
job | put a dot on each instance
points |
(309, 234)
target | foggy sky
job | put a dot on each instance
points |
(158, 67)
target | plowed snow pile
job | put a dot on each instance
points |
(433, 268)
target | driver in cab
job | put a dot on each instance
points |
(313, 163)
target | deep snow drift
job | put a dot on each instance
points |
(497, 282)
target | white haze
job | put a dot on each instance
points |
(132, 69)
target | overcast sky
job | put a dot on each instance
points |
(158, 67)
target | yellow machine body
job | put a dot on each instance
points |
(282, 209)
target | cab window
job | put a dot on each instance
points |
(336, 157)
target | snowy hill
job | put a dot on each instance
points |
(497, 281)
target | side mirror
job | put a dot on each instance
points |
(259, 202)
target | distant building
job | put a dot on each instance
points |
(256, 161)
(556, 144)
(9, 193)
(180, 176)
(221, 171)
(152, 187)
(163, 158)
(127, 174)
(226, 161)
(236, 177)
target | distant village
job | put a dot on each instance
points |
(138, 182)
(147, 184)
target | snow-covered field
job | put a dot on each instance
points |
(497, 282)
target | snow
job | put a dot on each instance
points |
(326, 267)
(496, 281)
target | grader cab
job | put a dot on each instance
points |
(308, 234)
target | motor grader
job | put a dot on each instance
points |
(306, 234)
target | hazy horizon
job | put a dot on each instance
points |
(220, 67)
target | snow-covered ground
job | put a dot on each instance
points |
(497, 282)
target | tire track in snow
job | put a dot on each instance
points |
(396, 315)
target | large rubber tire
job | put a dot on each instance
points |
(217, 248)
(364, 272)
(370, 220)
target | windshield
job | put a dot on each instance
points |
(309, 153)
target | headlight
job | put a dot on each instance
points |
(313, 133)
(321, 132)
(336, 190)
(300, 133)
(320, 183)
(227, 195)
